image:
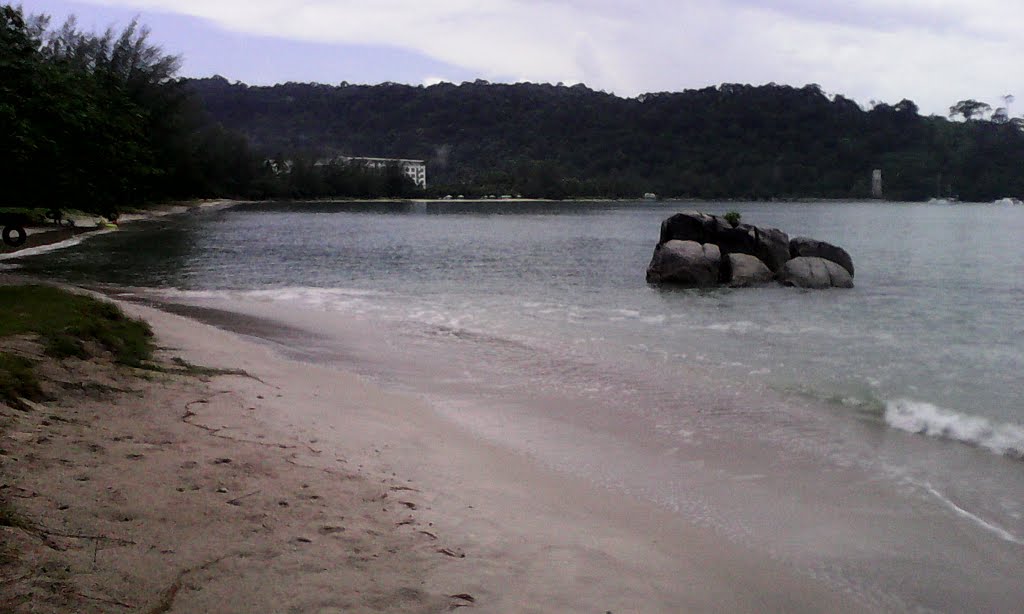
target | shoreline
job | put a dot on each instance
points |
(47, 238)
(449, 514)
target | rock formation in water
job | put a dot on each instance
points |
(746, 270)
(814, 272)
(699, 249)
(803, 246)
(686, 262)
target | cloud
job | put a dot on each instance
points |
(432, 80)
(933, 51)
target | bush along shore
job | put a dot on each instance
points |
(699, 249)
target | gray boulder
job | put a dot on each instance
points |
(770, 245)
(746, 270)
(692, 226)
(814, 272)
(805, 246)
(685, 262)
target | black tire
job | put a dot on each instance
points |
(15, 236)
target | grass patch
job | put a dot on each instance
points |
(65, 346)
(11, 518)
(8, 555)
(69, 324)
(18, 380)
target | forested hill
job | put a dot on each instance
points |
(736, 141)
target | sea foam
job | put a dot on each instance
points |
(311, 296)
(978, 520)
(927, 419)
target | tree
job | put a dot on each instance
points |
(21, 84)
(97, 122)
(907, 107)
(968, 109)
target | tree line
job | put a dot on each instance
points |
(101, 122)
(730, 141)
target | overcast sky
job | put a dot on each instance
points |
(934, 52)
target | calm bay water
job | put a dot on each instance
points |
(532, 324)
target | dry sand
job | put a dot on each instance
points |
(299, 488)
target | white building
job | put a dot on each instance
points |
(413, 169)
(876, 183)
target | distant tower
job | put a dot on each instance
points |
(876, 183)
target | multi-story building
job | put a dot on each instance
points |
(413, 169)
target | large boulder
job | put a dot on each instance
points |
(814, 272)
(701, 249)
(692, 226)
(685, 262)
(746, 270)
(770, 245)
(805, 246)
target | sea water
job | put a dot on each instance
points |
(874, 437)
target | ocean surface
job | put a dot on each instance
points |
(872, 437)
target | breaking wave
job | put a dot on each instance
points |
(927, 419)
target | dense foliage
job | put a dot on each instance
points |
(541, 140)
(83, 116)
(100, 122)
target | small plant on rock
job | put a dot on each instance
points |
(733, 217)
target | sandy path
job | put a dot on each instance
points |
(304, 489)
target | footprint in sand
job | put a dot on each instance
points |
(329, 530)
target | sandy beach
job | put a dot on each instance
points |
(290, 487)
